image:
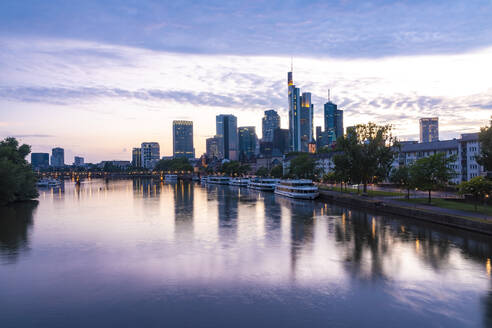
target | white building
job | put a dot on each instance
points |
(150, 154)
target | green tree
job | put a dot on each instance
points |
(277, 171)
(262, 172)
(401, 176)
(17, 180)
(485, 139)
(234, 168)
(366, 153)
(433, 172)
(479, 187)
(303, 166)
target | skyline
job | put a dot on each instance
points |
(67, 88)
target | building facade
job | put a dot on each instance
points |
(333, 122)
(58, 157)
(280, 141)
(269, 123)
(247, 142)
(150, 154)
(429, 129)
(294, 99)
(226, 128)
(137, 157)
(213, 147)
(306, 121)
(183, 139)
(78, 161)
(40, 161)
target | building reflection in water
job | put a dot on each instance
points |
(15, 226)
(227, 210)
(183, 209)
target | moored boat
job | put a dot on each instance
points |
(218, 180)
(241, 182)
(48, 183)
(265, 184)
(171, 177)
(301, 189)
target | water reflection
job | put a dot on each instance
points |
(15, 226)
(183, 208)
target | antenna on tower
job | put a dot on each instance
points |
(328, 95)
(291, 64)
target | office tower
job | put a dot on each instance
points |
(78, 161)
(57, 157)
(281, 141)
(40, 160)
(150, 154)
(333, 120)
(137, 157)
(270, 122)
(266, 148)
(183, 139)
(429, 129)
(214, 147)
(247, 142)
(306, 121)
(226, 126)
(294, 98)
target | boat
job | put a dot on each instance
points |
(219, 180)
(171, 177)
(48, 183)
(204, 180)
(241, 182)
(301, 189)
(195, 178)
(266, 184)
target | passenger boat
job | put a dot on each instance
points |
(219, 180)
(171, 177)
(195, 178)
(241, 182)
(302, 189)
(204, 180)
(266, 184)
(48, 183)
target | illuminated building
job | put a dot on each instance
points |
(40, 160)
(333, 121)
(247, 142)
(150, 152)
(429, 129)
(57, 157)
(78, 161)
(270, 122)
(137, 157)
(226, 127)
(213, 147)
(183, 139)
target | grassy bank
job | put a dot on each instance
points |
(452, 205)
(369, 192)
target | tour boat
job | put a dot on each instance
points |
(219, 180)
(302, 189)
(195, 178)
(48, 183)
(266, 184)
(204, 180)
(241, 182)
(171, 177)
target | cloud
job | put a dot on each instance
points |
(33, 136)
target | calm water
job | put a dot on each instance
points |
(135, 253)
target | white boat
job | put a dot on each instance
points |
(171, 177)
(195, 178)
(48, 183)
(302, 189)
(266, 184)
(241, 182)
(204, 180)
(219, 180)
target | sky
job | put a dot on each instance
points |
(99, 77)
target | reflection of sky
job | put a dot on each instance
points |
(74, 73)
(119, 238)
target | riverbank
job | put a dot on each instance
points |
(458, 219)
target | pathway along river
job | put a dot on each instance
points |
(145, 254)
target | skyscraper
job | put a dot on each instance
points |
(333, 121)
(78, 161)
(247, 142)
(281, 141)
(213, 147)
(429, 129)
(137, 157)
(294, 98)
(183, 139)
(306, 121)
(226, 126)
(40, 160)
(270, 122)
(150, 152)
(57, 157)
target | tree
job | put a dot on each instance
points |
(262, 172)
(175, 164)
(485, 139)
(433, 172)
(17, 180)
(366, 153)
(277, 171)
(234, 168)
(303, 166)
(401, 176)
(479, 187)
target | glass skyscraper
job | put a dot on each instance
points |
(333, 122)
(40, 160)
(429, 129)
(294, 98)
(150, 154)
(306, 121)
(57, 157)
(226, 127)
(183, 139)
(214, 147)
(247, 142)
(270, 122)
(137, 157)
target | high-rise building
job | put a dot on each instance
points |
(429, 129)
(269, 123)
(226, 126)
(281, 141)
(78, 161)
(294, 98)
(137, 157)
(57, 157)
(40, 160)
(247, 142)
(333, 121)
(150, 152)
(214, 147)
(183, 139)
(306, 121)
